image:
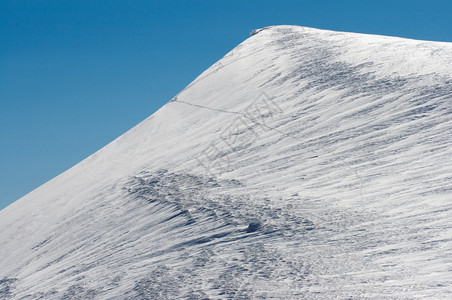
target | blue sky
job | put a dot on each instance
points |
(74, 75)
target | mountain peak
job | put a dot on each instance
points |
(304, 162)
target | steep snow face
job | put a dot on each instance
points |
(304, 164)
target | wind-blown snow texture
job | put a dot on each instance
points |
(305, 164)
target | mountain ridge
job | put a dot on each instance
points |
(334, 145)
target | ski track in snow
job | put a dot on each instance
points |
(342, 194)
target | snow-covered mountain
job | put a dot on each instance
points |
(305, 164)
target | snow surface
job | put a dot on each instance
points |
(305, 164)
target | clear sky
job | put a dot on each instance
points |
(74, 75)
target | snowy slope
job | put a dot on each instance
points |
(305, 164)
